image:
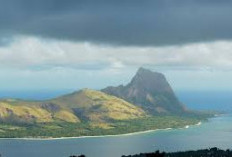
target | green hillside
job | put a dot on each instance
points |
(98, 108)
(17, 111)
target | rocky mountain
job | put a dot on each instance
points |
(150, 91)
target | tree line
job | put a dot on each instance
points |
(211, 152)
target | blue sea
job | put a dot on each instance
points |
(216, 132)
(207, 100)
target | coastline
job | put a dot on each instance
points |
(98, 136)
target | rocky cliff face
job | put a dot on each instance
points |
(149, 90)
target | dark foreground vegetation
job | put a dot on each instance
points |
(212, 152)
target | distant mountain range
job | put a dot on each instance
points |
(147, 95)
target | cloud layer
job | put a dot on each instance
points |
(32, 63)
(131, 22)
(39, 53)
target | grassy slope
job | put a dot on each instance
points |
(28, 112)
(99, 107)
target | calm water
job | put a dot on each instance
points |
(216, 132)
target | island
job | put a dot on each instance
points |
(144, 104)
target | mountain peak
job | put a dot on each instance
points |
(149, 90)
(143, 73)
(143, 70)
(149, 80)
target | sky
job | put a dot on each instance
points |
(73, 44)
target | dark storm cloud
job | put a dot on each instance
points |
(126, 22)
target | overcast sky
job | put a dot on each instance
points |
(72, 44)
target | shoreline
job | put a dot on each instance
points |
(98, 136)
